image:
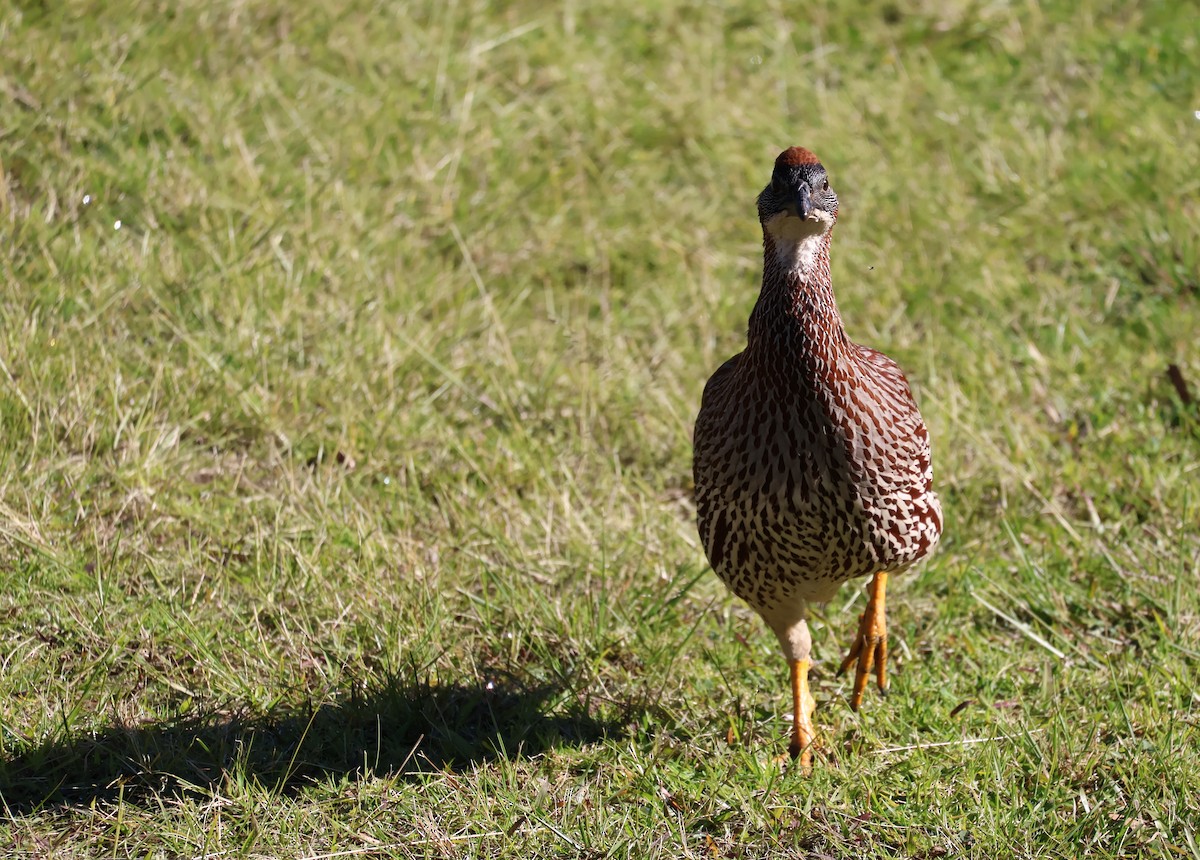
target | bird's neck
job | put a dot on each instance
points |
(796, 321)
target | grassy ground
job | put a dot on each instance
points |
(348, 358)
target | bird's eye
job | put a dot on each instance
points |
(825, 187)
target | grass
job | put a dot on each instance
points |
(348, 359)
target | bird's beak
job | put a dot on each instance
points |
(804, 204)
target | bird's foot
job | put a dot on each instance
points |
(870, 645)
(803, 705)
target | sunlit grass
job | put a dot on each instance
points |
(345, 485)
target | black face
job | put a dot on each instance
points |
(798, 190)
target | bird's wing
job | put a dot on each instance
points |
(707, 463)
(887, 373)
(717, 382)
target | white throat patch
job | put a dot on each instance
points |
(798, 242)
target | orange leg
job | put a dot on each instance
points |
(870, 645)
(803, 705)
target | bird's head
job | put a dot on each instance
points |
(798, 203)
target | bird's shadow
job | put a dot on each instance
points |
(402, 727)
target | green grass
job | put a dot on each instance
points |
(345, 488)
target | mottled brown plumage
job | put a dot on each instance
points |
(812, 464)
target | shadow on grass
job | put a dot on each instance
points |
(402, 727)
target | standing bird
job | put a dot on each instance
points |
(812, 463)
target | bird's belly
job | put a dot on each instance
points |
(783, 541)
(801, 535)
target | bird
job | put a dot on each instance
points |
(811, 462)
